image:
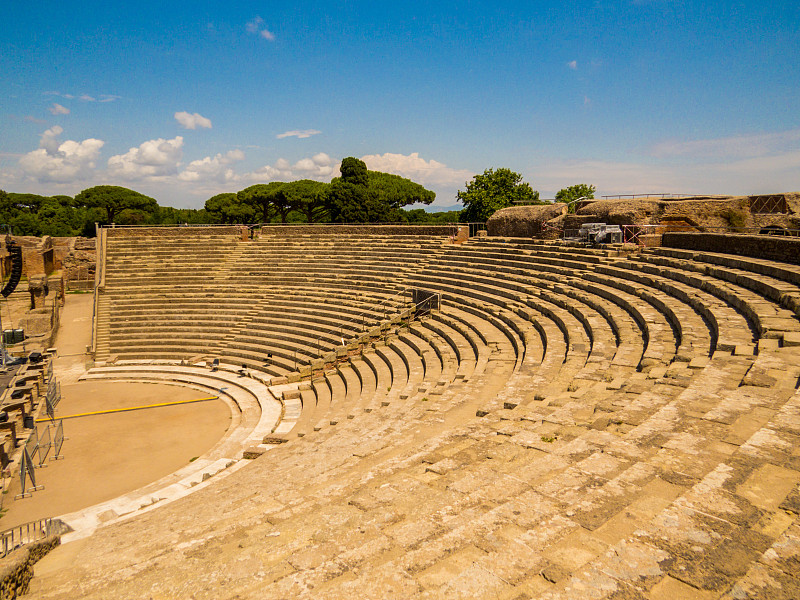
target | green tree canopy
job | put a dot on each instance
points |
(306, 197)
(420, 215)
(396, 191)
(263, 198)
(167, 215)
(228, 208)
(114, 200)
(573, 192)
(363, 196)
(56, 219)
(492, 191)
(353, 171)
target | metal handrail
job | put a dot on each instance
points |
(363, 313)
(764, 230)
(99, 281)
(453, 224)
(118, 226)
(663, 196)
(271, 224)
(13, 538)
(438, 295)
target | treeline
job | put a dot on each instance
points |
(357, 196)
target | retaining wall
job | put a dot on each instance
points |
(290, 230)
(772, 247)
(16, 569)
(172, 231)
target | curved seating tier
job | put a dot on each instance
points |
(571, 422)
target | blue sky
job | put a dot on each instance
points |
(185, 100)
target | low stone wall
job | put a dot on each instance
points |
(16, 569)
(172, 231)
(772, 247)
(345, 230)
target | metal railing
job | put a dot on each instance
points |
(27, 533)
(665, 196)
(411, 309)
(474, 227)
(99, 281)
(383, 306)
(118, 226)
(631, 234)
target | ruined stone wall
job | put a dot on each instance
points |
(79, 263)
(16, 569)
(526, 221)
(772, 247)
(62, 246)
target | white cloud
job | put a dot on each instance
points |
(57, 109)
(739, 146)
(192, 120)
(573, 64)
(298, 133)
(85, 97)
(32, 119)
(255, 27)
(252, 26)
(60, 162)
(153, 158)
(412, 166)
(320, 167)
(267, 173)
(738, 165)
(216, 169)
(49, 140)
(757, 175)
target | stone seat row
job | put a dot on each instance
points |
(765, 317)
(675, 480)
(780, 283)
(412, 362)
(730, 323)
(308, 335)
(518, 346)
(581, 469)
(776, 288)
(513, 338)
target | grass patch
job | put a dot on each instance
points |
(735, 218)
(548, 439)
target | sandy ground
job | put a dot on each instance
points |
(108, 455)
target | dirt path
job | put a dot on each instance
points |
(111, 454)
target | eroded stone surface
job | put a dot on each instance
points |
(582, 477)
